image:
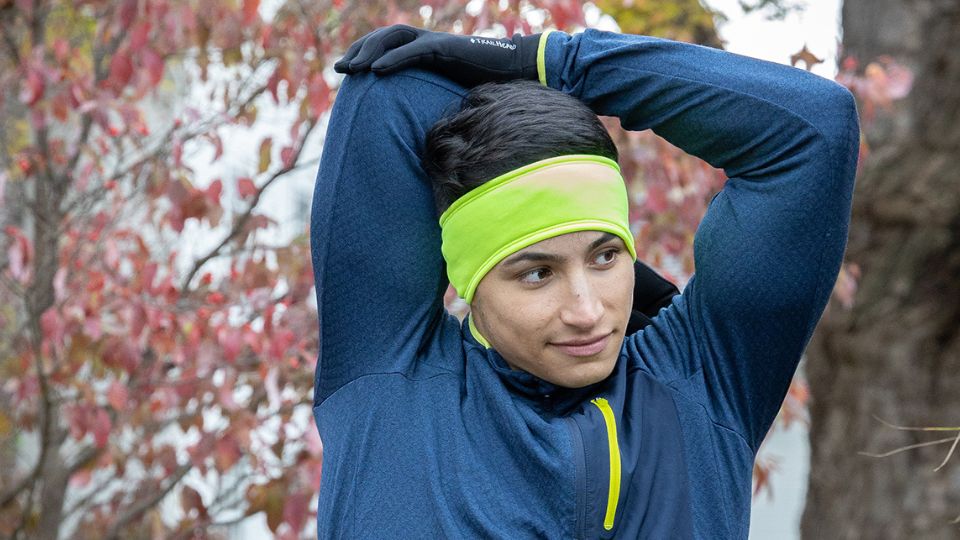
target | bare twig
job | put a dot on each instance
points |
(242, 220)
(83, 503)
(137, 509)
(953, 447)
(923, 428)
(40, 296)
(84, 457)
(954, 439)
(161, 148)
(908, 447)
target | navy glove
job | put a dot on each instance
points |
(467, 60)
(651, 293)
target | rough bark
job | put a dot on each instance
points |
(896, 354)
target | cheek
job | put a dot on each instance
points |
(620, 287)
(527, 315)
(502, 310)
(524, 318)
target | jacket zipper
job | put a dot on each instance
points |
(613, 493)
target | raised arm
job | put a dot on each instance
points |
(768, 251)
(374, 231)
(374, 234)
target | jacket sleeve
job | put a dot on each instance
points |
(769, 248)
(375, 238)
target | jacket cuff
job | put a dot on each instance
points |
(541, 56)
(528, 55)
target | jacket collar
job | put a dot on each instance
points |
(550, 396)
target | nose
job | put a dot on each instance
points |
(584, 307)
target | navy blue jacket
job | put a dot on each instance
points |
(427, 434)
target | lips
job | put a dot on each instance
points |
(584, 347)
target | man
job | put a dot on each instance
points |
(541, 416)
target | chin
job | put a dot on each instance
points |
(588, 373)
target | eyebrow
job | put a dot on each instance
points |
(537, 256)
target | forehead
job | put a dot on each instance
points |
(559, 248)
(575, 240)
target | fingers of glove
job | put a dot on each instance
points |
(447, 54)
(343, 65)
(386, 38)
(412, 55)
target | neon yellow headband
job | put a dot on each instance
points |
(547, 198)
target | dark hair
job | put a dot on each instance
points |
(503, 126)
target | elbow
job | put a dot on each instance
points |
(850, 117)
(835, 119)
(840, 120)
(845, 141)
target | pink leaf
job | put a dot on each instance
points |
(121, 353)
(246, 187)
(167, 458)
(287, 156)
(656, 198)
(140, 35)
(60, 284)
(318, 94)
(226, 453)
(273, 84)
(214, 190)
(101, 428)
(61, 50)
(154, 64)
(52, 326)
(191, 500)
(231, 339)
(77, 422)
(81, 478)
(217, 146)
(121, 69)
(136, 317)
(147, 275)
(177, 153)
(19, 255)
(32, 89)
(225, 394)
(250, 13)
(117, 396)
(128, 12)
(92, 327)
(296, 510)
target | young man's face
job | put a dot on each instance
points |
(559, 309)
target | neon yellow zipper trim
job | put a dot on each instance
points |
(613, 494)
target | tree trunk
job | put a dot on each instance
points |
(896, 354)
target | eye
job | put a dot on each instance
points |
(607, 257)
(535, 276)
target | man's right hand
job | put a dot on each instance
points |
(467, 60)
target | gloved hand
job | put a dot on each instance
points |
(651, 292)
(467, 60)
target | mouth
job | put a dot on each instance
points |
(584, 347)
